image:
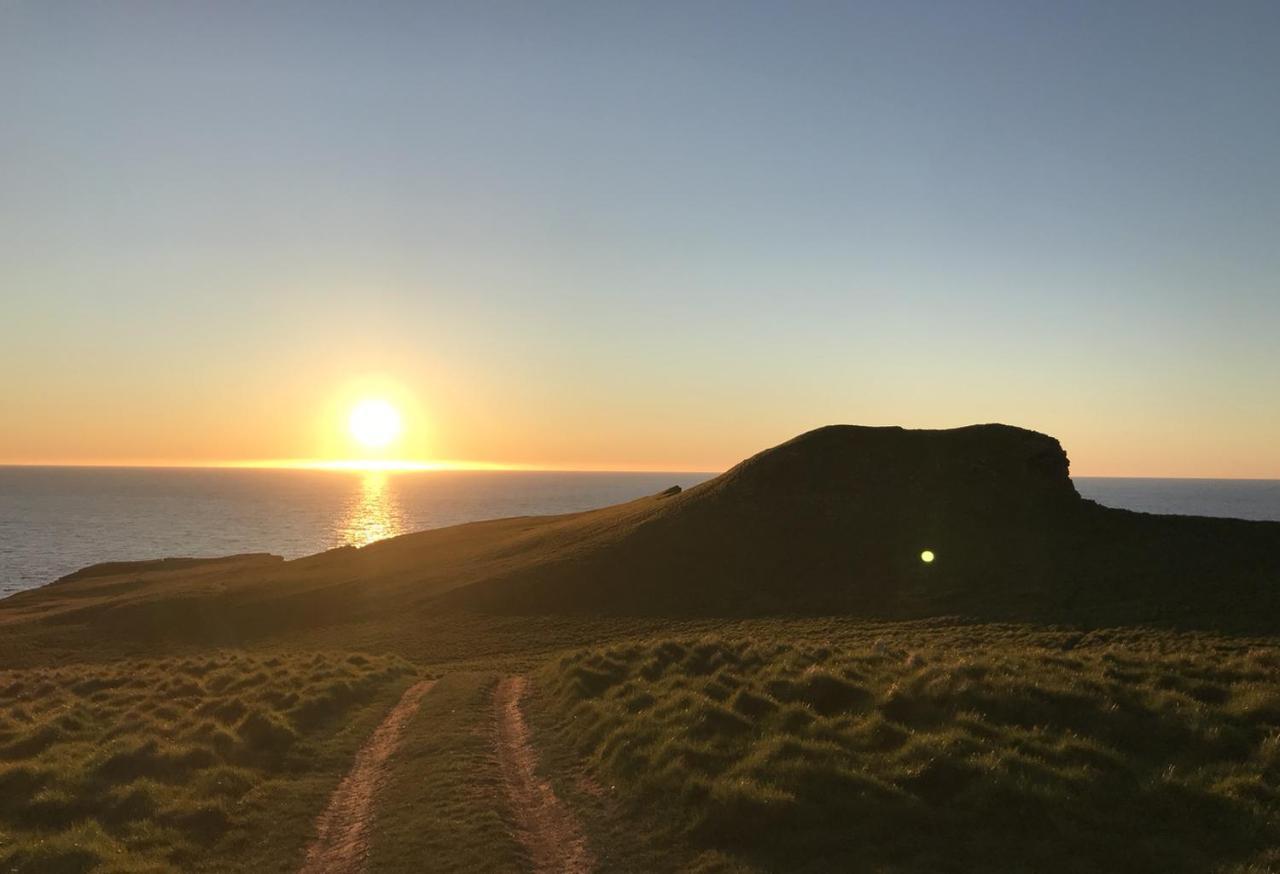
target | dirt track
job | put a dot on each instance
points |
(342, 831)
(548, 830)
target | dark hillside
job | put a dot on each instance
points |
(836, 521)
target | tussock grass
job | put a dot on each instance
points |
(909, 754)
(154, 765)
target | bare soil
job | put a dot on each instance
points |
(548, 830)
(342, 831)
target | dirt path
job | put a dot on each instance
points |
(342, 831)
(548, 830)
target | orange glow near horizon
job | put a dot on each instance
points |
(366, 465)
(445, 423)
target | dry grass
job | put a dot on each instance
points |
(177, 764)
(910, 754)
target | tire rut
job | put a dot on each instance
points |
(341, 845)
(546, 828)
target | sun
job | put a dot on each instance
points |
(374, 423)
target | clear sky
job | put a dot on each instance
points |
(651, 235)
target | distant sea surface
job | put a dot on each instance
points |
(56, 520)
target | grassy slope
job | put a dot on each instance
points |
(382, 595)
(216, 763)
(830, 523)
(1193, 701)
(930, 752)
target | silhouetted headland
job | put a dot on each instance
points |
(831, 522)
(836, 520)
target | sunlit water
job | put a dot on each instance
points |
(55, 520)
(374, 515)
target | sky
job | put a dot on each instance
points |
(644, 235)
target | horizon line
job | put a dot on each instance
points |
(359, 465)
(456, 466)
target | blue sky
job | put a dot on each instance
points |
(652, 235)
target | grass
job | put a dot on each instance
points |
(210, 763)
(1143, 751)
(835, 743)
(712, 745)
(443, 808)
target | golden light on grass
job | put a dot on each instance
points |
(927, 556)
(374, 423)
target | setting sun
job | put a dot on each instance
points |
(374, 423)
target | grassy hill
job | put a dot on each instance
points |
(832, 523)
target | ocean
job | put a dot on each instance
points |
(56, 520)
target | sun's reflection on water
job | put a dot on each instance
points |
(374, 513)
